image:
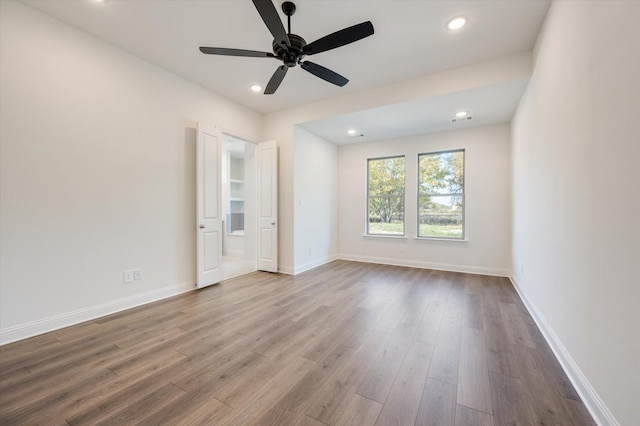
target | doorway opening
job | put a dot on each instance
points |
(239, 194)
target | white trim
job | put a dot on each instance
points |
(314, 264)
(56, 322)
(386, 236)
(447, 240)
(588, 394)
(481, 270)
(232, 253)
(241, 259)
(289, 270)
(250, 264)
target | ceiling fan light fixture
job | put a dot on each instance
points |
(256, 88)
(461, 114)
(352, 132)
(290, 48)
(456, 23)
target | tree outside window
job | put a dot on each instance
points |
(441, 195)
(385, 196)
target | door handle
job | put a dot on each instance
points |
(201, 226)
(273, 223)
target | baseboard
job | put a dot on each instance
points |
(56, 322)
(284, 269)
(588, 394)
(314, 264)
(246, 263)
(481, 270)
(233, 253)
(250, 264)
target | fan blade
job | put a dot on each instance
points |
(339, 38)
(276, 79)
(270, 16)
(236, 52)
(324, 73)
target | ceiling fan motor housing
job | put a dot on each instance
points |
(291, 56)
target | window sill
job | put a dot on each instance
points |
(388, 237)
(448, 240)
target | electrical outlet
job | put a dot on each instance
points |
(128, 275)
(137, 274)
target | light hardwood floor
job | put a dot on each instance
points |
(344, 344)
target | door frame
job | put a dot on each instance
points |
(256, 240)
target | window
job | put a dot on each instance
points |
(441, 194)
(385, 196)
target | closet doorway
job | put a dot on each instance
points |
(239, 183)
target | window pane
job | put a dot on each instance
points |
(385, 197)
(441, 173)
(386, 176)
(441, 194)
(386, 215)
(440, 216)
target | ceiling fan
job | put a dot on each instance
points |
(291, 48)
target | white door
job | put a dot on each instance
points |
(209, 220)
(268, 206)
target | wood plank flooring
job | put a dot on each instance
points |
(347, 343)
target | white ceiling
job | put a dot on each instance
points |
(485, 105)
(410, 40)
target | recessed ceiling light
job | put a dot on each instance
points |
(351, 132)
(457, 23)
(461, 114)
(256, 88)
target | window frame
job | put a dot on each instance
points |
(403, 196)
(464, 196)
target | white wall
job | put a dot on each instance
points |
(576, 199)
(487, 203)
(280, 125)
(315, 200)
(97, 174)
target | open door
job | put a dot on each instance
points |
(268, 206)
(209, 216)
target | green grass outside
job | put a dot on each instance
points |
(394, 228)
(440, 231)
(426, 230)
